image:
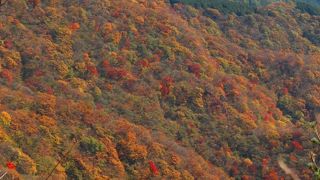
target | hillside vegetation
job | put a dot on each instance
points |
(138, 89)
(244, 7)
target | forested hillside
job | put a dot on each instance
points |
(243, 7)
(142, 89)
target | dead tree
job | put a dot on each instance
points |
(3, 2)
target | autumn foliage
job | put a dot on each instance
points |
(165, 85)
(92, 70)
(7, 75)
(74, 26)
(113, 72)
(141, 90)
(195, 68)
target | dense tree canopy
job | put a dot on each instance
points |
(136, 89)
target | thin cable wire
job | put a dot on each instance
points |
(60, 161)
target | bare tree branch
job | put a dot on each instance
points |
(3, 2)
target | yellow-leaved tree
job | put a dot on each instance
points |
(5, 118)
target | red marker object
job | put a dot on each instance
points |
(10, 165)
(153, 168)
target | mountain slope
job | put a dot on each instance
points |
(137, 89)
